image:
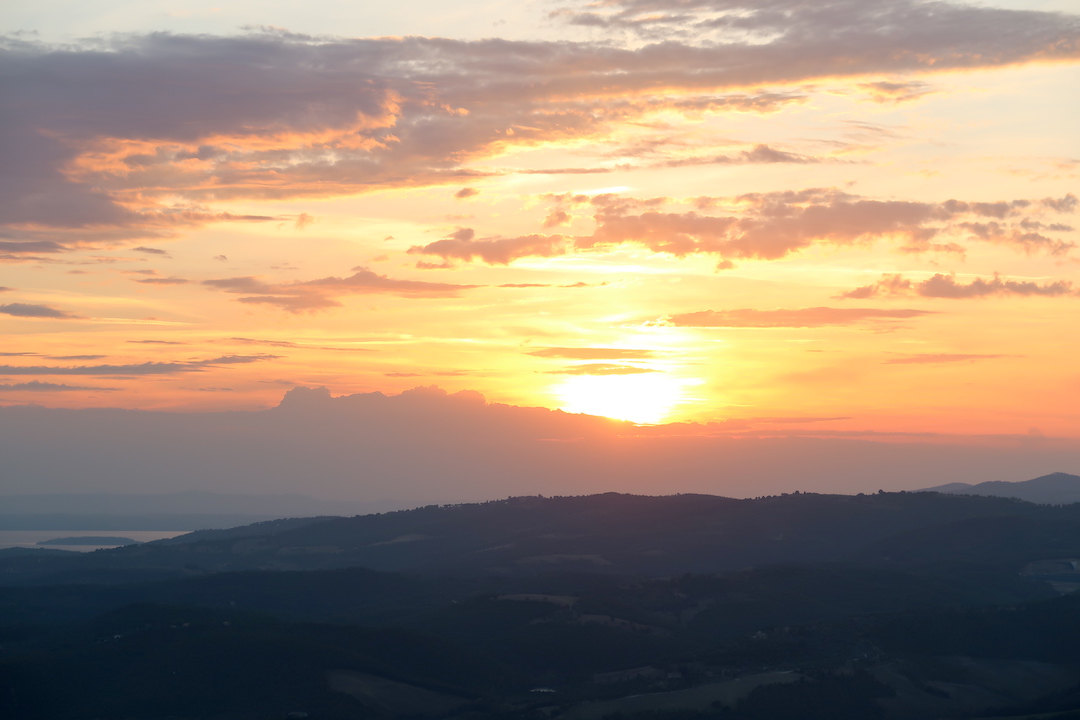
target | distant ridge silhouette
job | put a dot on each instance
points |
(1057, 488)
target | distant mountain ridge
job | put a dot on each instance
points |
(1057, 488)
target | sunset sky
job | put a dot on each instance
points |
(849, 216)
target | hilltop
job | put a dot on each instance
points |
(1057, 488)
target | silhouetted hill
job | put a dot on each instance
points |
(611, 533)
(184, 662)
(1054, 489)
(898, 606)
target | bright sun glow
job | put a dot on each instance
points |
(644, 398)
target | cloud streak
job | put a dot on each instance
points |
(800, 318)
(592, 353)
(25, 310)
(946, 286)
(601, 369)
(47, 387)
(323, 293)
(938, 358)
(147, 368)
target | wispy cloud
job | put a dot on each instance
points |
(936, 358)
(800, 318)
(600, 369)
(26, 310)
(947, 286)
(147, 368)
(461, 245)
(47, 387)
(324, 293)
(592, 353)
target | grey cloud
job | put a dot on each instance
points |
(35, 311)
(163, 281)
(150, 250)
(323, 293)
(946, 286)
(131, 115)
(800, 318)
(774, 225)
(38, 386)
(759, 155)
(147, 368)
(1066, 204)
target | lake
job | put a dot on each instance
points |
(31, 538)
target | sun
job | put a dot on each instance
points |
(645, 398)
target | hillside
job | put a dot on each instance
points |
(611, 533)
(1054, 489)
(896, 606)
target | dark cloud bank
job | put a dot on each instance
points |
(425, 446)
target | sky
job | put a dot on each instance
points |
(839, 218)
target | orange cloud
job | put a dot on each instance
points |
(494, 251)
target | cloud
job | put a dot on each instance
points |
(466, 192)
(150, 250)
(290, 344)
(155, 342)
(6, 289)
(883, 34)
(592, 353)
(600, 369)
(759, 155)
(460, 245)
(770, 226)
(427, 447)
(323, 293)
(35, 311)
(130, 137)
(163, 281)
(38, 386)
(885, 91)
(802, 318)
(946, 286)
(147, 368)
(934, 358)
